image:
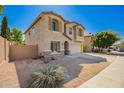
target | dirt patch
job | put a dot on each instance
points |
(24, 70)
(88, 71)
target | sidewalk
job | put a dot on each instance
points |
(111, 77)
(8, 76)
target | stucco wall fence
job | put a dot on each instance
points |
(4, 50)
(23, 52)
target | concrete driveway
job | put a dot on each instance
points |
(78, 68)
(111, 77)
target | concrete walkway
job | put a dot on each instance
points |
(111, 77)
(8, 76)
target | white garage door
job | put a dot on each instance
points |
(75, 48)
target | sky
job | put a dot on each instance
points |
(94, 18)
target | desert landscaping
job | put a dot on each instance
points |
(78, 69)
(55, 50)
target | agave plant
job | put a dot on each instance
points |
(47, 77)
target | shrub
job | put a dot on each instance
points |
(121, 44)
(84, 47)
(47, 77)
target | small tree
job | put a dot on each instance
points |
(16, 36)
(4, 27)
(8, 34)
(105, 39)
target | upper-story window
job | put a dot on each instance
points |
(33, 30)
(55, 25)
(70, 30)
(80, 33)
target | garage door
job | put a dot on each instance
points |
(75, 48)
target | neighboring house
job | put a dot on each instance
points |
(88, 41)
(54, 35)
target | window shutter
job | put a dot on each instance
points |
(50, 23)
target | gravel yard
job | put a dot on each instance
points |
(78, 69)
(87, 72)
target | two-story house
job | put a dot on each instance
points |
(55, 35)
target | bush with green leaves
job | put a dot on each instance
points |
(121, 44)
(50, 76)
(84, 47)
(105, 39)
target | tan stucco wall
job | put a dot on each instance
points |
(7, 50)
(87, 41)
(44, 36)
(23, 52)
(4, 50)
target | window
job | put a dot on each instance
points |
(33, 30)
(80, 32)
(55, 46)
(54, 25)
(70, 30)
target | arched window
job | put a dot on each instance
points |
(55, 25)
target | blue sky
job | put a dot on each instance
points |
(94, 18)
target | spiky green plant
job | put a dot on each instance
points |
(47, 77)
